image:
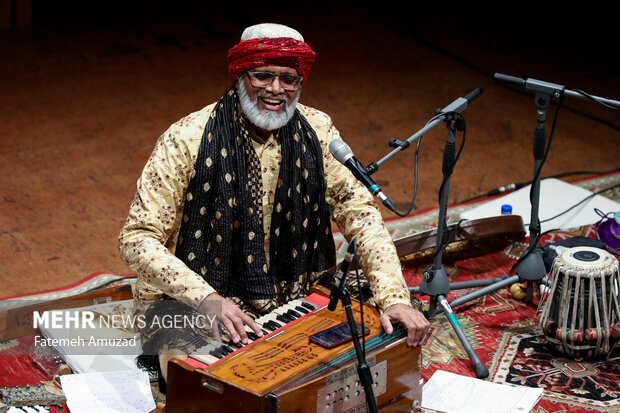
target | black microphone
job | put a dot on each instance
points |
(473, 94)
(341, 275)
(343, 154)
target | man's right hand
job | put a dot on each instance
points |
(230, 316)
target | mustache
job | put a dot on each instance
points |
(267, 94)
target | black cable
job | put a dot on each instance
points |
(450, 235)
(595, 99)
(444, 225)
(537, 234)
(581, 202)
(544, 159)
(563, 174)
(415, 184)
(570, 108)
(415, 181)
(519, 185)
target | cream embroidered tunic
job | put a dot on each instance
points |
(148, 239)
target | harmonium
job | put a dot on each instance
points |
(284, 371)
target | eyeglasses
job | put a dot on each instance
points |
(288, 81)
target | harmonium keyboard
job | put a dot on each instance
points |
(284, 371)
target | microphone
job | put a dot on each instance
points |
(473, 94)
(343, 154)
(341, 275)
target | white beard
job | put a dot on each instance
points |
(267, 119)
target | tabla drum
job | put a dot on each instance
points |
(580, 316)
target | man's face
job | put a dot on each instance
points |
(269, 107)
(274, 97)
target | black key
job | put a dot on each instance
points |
(275, 323)
(227, 349)
(293, 313)
(301, 309)
(216, 352)
(284, 318)
(238, 345)
(252, 336)
(308, 305)
(269, 326)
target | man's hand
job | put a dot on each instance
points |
(414, 321)
(230, 315)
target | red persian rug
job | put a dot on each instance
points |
(505, 335)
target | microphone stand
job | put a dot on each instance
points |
(531, 267)
(435, 282)
(338, 292)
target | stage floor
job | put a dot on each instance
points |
(88, 91)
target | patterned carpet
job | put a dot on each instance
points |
(525, 359)
(502, 330)
(505, 335)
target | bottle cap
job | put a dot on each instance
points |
(506, 209)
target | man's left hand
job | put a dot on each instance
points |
(414, 321)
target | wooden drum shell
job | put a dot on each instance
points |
(580, 315)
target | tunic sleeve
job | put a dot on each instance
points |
(357, 215)
(148, 238)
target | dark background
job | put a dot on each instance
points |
(87, 87)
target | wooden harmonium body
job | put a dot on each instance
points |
(285, 372)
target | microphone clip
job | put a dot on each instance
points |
(453, 118)
(395, 143)
(371, 168)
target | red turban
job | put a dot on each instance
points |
(268, 51)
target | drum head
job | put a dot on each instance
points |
(586, 257)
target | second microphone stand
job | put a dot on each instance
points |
(435, 282)
(340, 293)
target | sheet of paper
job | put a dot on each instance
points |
(451, 393)
(556, 196)
(108, 392)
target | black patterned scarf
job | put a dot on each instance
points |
(221, 236)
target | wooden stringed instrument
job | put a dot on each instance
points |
(468, 239)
